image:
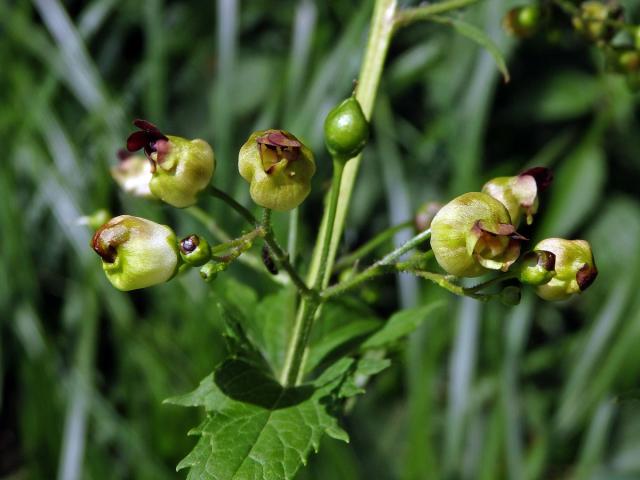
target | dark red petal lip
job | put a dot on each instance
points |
(586, 276)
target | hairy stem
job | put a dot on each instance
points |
(281, 257)
(309, 306)
(364, 250)
(383, 266)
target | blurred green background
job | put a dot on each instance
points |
(480, 391)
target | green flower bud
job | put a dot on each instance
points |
(591, 20)
(575, 268)
(195, 250)
(346, 129)
(473, 234)
(537, 268)
(278, 167)
(136, 253)
(623, 60)
(511, 295)
(133, 174)
(209, 271)
(425, 214)
(522, 21)
(520, 193)
(96, 219)
(180, 168)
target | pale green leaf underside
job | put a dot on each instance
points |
(481, 38)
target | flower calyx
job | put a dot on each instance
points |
(195, 250)
(278, 167)
(180, 168)
(473, 234)
(574, 266)
(136, 253)
(519, 194)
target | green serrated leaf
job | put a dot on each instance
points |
(366, 367)
(256, 428)
(400, 325)
(481, 38)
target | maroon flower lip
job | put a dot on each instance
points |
(145, 138)
(586, 276)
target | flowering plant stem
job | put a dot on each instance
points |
(385, 21)
(267, 233)
(382, 237)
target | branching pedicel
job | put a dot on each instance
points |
(472, 235)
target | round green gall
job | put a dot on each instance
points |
(522, 21)
(278, 167)
(195, 250)
(473, 234)
(520, 193)
(135, 252)
(346, 130)
(574, 266)
(180, 168)
(537, 268)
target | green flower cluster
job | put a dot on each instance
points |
(475, 233)
(601, 23)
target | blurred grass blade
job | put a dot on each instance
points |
(461, 375)
(481, 38)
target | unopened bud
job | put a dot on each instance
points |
(522, 21)
(574, 266)
(135, 252)
(209, 271)
(346, 130)
(96, 219)
(195, 250)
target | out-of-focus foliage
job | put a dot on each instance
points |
(480, 391)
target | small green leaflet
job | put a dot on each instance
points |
(401, 324)
(478, 36)
(257, 429)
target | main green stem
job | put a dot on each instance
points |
(333, 220)
(309, 305)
